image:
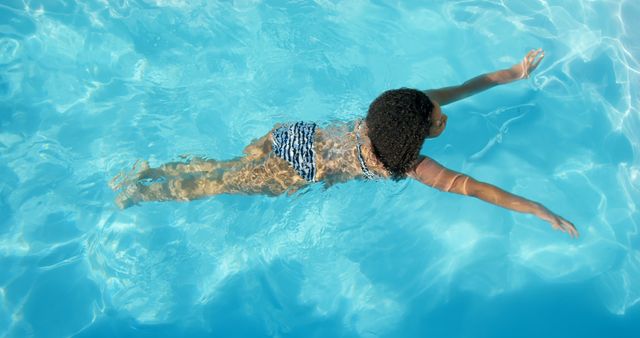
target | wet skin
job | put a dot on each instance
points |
(259, 171)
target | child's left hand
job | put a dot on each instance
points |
(528, 64)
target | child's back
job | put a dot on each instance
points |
(344, 152)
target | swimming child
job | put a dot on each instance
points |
(386, 144)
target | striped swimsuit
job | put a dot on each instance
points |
(294, 144)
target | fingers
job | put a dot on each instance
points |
(536, 60)
(529, 54)
(528, 64)
(566, 227)
(559, 223)
(532, 55)
(532, 60)
(557, 226)
(535, 64)
(570, 228)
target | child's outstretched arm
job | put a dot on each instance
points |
(435, 175)
(485, 81)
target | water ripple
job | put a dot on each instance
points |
(86, 89)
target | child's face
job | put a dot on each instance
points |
(438, 121)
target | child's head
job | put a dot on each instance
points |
(398, 121)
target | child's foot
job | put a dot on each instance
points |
(128, 197)
(124, 202)
(127, 184)
(139, 171)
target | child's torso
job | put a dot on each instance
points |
(336, 150)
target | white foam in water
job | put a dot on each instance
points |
(86, 91)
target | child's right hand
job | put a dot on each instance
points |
(557, 222)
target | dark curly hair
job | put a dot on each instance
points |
(398, 122)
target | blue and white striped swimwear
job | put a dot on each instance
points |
(294, 144)
(368, 174)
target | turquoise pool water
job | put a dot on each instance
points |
(87, 88)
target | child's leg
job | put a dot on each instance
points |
(258, 150)
(271, 177)
(173, 181)
(194, 165)
(141, 172)
(180, 188)
(177, 181)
